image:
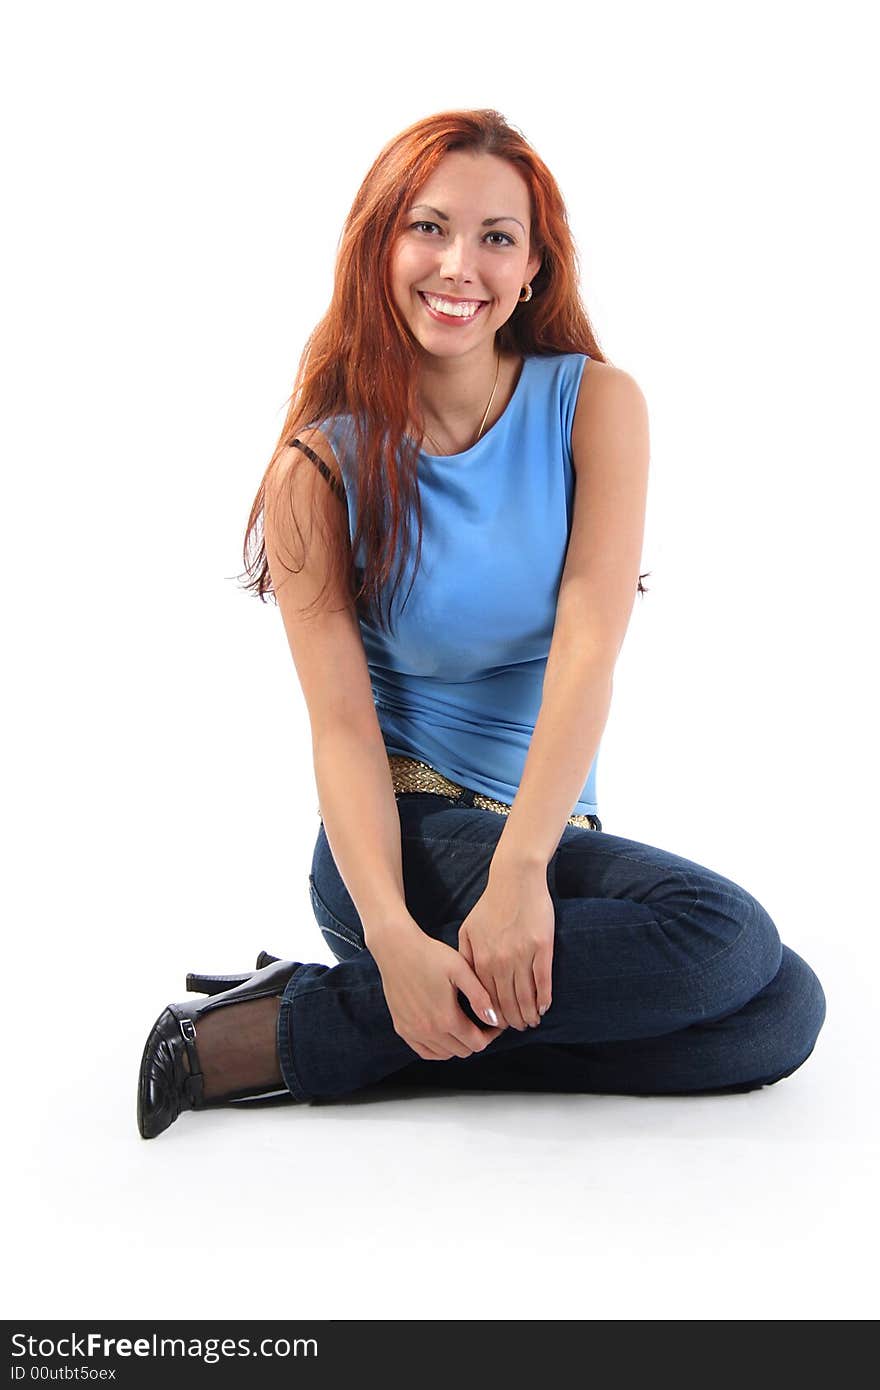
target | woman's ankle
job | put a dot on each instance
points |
(237, 1047)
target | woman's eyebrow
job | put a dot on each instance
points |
(487, 221)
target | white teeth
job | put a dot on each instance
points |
(459, 311)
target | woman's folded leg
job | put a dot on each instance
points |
(648, 946)
(767, 1039)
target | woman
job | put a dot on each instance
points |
(481, 917)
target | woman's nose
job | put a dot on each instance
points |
(455, 257)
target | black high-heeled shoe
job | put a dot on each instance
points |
(216, 984)
(165, 1087)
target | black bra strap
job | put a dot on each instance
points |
(325, 471)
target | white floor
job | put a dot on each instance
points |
(438, 1205)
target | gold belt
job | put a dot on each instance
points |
(410, 775)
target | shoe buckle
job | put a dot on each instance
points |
(188, 1029)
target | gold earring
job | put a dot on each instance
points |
(524, 298)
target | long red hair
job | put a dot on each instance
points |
(361, 359)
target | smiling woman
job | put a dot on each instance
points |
(480, 915)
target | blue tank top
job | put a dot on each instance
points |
(458, 684)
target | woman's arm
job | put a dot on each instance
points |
(610, 451)
(574, 709)
(353, 776)
(362, 825)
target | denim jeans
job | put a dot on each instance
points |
(667, 978)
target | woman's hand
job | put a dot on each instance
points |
(507, 938)
(421, 978)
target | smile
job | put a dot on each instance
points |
(450, 310)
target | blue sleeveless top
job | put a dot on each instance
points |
(458, 685)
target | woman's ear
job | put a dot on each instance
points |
(534, 265)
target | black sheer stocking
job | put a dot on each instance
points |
(237, 1047)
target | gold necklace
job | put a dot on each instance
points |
(486, 412)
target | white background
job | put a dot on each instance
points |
(177, 177)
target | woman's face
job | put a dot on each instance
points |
(456, 256)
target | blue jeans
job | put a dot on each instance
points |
(668, 978)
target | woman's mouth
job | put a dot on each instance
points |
(461, 312)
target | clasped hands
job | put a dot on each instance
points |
(507, 939)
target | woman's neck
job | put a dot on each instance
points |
(455, 393)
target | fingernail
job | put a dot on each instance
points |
(492, 1016)
(543, 1009)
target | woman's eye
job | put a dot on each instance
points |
(508, 240)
